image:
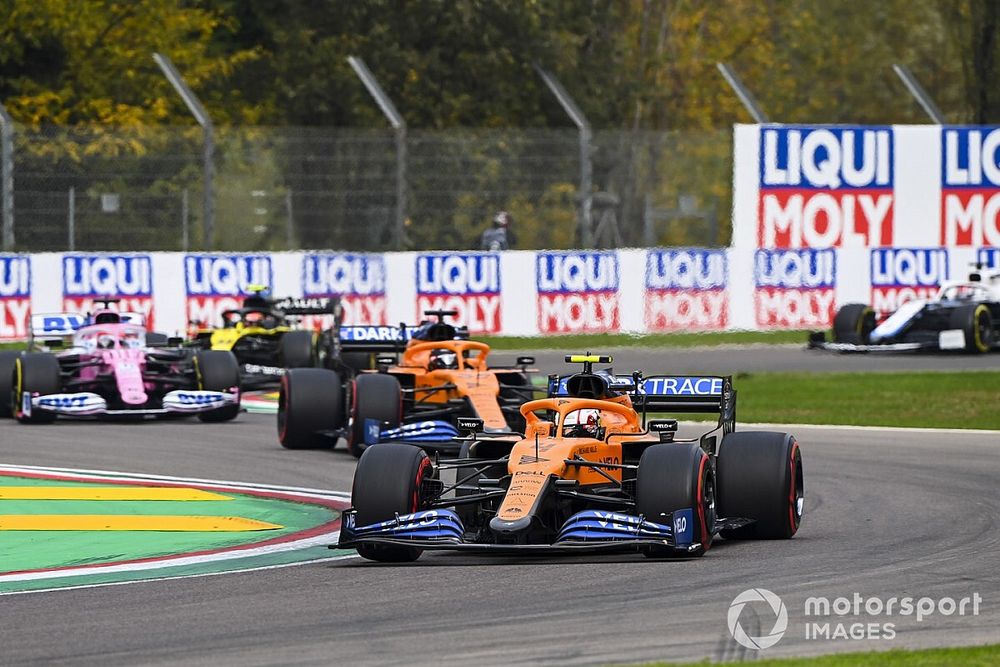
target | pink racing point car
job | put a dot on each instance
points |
(108, 365)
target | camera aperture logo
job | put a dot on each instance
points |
(857, 617)
(780, 618)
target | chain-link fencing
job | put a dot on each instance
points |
(101, 188)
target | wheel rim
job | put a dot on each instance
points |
(15, 398)
(708, 505)
(984, 329)
(706, 500)
(283, 409)
(797, 496)
(357, 446)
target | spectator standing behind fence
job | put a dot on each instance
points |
(499, 236)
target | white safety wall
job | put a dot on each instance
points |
(511, 293)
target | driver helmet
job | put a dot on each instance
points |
(442, 358)
(582, 423)
(105, 341)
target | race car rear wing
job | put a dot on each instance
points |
(56, 325)
(374, 338)
(308, 305)
(679, 393)
(53, 329)
(691, 394)
(380, 338)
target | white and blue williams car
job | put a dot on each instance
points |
(961, 317)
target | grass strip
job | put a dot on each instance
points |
(972, 656)
(913, 399)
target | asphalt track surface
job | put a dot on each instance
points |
(887, 514)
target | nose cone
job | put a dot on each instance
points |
(506, 528)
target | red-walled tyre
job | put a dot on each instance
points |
(673, 477)
(760, 478)
(387, 482)
(310, 407)
(373, 396)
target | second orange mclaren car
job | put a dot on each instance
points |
(401, 384)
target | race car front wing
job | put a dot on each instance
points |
(85, 403)
(589, 530)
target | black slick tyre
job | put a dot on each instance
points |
(34, 373)
(760, 478)
(853, 323)
(310, 401)
(673, 477)
(297, 350)
(388, 482)
(7, 360)
(373, 396)
(976, 322)
(217, 370)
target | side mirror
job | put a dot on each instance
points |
(665, 428)
(471, 425)
(525, 361)
(383, 361)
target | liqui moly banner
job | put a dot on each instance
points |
(988, 257)
(466, 282)
(794, 289)
(127, 278)
(824, 187)
(577, 292)
(970, 186)
(219, 282)
(15, 296)
(899, 275)
(686, 290)
(358, 279)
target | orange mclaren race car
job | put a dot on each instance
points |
(590, 473)
(406, 384)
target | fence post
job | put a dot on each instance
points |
(647, 221)
(399, 125)
(7, 182)
(185, 213)
(208, 152)
(586, 167)
(290, 222)
(743, 93)
(918, 92)
(71, 219)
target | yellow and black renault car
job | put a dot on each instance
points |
(269, 336)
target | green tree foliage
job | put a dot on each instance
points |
(638, 64)
(91, 61)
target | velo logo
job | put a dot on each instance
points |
(780, 619)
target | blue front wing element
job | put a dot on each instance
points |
(436, 525)
(442, 526)
(600, 526)
(425, 431)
